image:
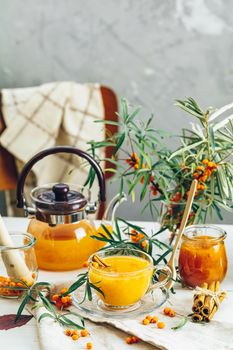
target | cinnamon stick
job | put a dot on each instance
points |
(209, 301)
(199, 299)
(197, 317)
(97, 259)
(215, 307)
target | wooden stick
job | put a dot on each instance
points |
(188, 206)
(13, 261)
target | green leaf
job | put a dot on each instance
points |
(21, 307)
(44, 315)
(124, 107)
(119, 143)
(97, 289)
(211, 135)
(110, 122)
(77, 284)
(69, 322)
(88, 290)
(47, 304)
(145, 186)
(118, 231)
(181, 324)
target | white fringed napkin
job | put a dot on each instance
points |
(214, 335)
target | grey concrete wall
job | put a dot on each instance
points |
(150, 51)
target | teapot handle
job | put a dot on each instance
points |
(53, 150)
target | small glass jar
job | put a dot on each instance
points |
(18, 265)
(202, 255)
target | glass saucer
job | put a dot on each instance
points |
(150, 302)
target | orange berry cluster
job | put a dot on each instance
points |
(133, 161)
(202, 173)
(74, 334)
(60, 301)
(137, 237)
(8, 282)
(169, 312)
(153, 319)
(132, 340)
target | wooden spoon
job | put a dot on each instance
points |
(171, 262)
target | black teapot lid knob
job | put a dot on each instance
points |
(61, 191)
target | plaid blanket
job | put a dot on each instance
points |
(58, 113)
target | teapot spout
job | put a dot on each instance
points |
(109, 214)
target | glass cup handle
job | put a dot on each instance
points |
(166, 276)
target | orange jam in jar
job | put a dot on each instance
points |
(202, 255)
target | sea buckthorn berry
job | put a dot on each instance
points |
(144, 244)
(19, 284)
(55, 297)
(199, 168)
(34, 275)
(171, 313)
(154, 319)
(95, 264)
(166, 310)
(63, 290)
(134, 339)
(128, 340)
(196, 175)
(210, 164)
(161, 325)
(75, 336)
(145, 321)
(68, 332)
(89, 346)
(136, 166)
(205, 161)
(149, 317)
(85, 264)
(84, 333)
(64, 300)
(12, 284)
(203, 178)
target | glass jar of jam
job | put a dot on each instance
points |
(202, 255)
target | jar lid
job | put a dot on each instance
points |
(58, 199)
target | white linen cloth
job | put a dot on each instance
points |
(57, 113)
(214, 335)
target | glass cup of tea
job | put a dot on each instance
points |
(18, 265)
(127, 278)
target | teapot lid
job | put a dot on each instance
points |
(58, 199)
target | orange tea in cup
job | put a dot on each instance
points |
(127, 279)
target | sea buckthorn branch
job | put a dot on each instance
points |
(83, 281)
(144, 164)
(38, 294)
